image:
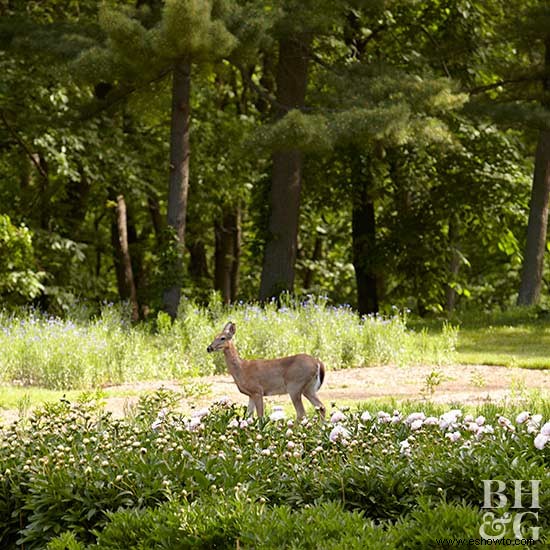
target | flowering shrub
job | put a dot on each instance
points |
(73, 474)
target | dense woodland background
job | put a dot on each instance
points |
(383, 153)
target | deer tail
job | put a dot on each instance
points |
(320, 374)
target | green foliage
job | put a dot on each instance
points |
(72, 476)
(19, 279)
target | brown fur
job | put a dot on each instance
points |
(296, 375)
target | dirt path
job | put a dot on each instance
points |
(466, 384)
(472, 384)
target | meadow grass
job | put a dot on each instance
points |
(518, 337)
(70, 353)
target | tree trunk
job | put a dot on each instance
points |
(454, 264)
(531, 277)
(363, 227)
(123, 262)
(227, 255)
(533, 261)
(179, 182)
(284, 200)
(316, 256)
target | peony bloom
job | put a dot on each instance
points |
(541, 440)
(453, 436)
(337, 416)
(523, 417)
(480, 420)
(416, 424)
(339, 433)
(277, 415)
(199, 413)
(449, 419)
(366, 416)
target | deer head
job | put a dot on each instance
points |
(222, 339)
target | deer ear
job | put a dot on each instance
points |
(229, 329)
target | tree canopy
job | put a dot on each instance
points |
(388, 153)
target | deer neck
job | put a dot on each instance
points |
(232, 360)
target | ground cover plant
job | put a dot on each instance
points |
(72, 476)
(79, 353)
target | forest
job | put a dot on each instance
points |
(382, 153)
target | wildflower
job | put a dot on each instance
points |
(545, 430)
(383, 417)
(523, 417)
(431, 421)
(233, 424)
(337, 416)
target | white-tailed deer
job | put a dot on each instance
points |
(296, 375)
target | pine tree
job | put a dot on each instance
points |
(189, 32)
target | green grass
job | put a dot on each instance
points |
(511, 346)
(519, 337)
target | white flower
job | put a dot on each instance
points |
(223, 400)
(339, 433)
(337, 416)
(277, 415)
(416, 424)
(193, 423)
(290, 445)
(200, 412)
(266, 452)
(541, 440)
(243, 424)
(405, 448)
(473, 427)
(383, 417)
(545, 430)
(523, 417)
(480, 420)
(506, 423)
(453, 436)
(366, 416)
(413, 417)
(233, 424)
(431, 421)
(533, 424)
(449, 419)
(468, 418)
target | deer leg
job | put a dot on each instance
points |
(258, 401)
(298, 405)
(251, 407)
(316, 402)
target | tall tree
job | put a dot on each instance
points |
(535, 247)
(189, 32)
(284, 197)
